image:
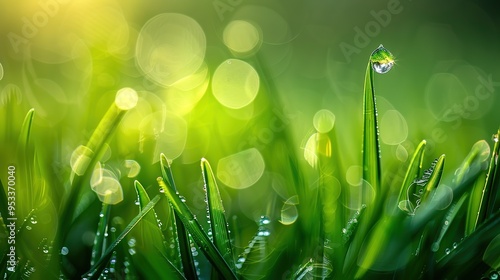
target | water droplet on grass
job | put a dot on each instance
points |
(382, 60)
(447, 251)
(64, 251)
(495, 138)
(33, 220)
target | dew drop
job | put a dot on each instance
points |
(28, 227)
(45, 249)
(447, 251)
(495, 138)
(382, 60)
(64, 251)
(33, 220)
(455, 245)
(137, 201)
(183, 199)
(344, 230)
(162, 190)
(494, 275)
(131, 251)
(131, 242)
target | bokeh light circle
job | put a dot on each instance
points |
(235, 83)
(241, 36)
(241, 170)
(126, 98)
(170, 47)
(394, 128)
(323, 121)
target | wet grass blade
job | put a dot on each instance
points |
(184, 243)
(414, 170)
(216, 214)
(371, 148)
(96, 270)
(467, 257)
(100, 237)
(26, 161)
(149, 245)
(196, 231)
(492, 182)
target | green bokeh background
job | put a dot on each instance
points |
(71, 66)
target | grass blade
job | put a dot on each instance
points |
(492, 182)
(414, 170)
(480, 152)
(96, 270)
(216, 213)
(148, 243)
(184, 243)
(100, 237)
(199, 236)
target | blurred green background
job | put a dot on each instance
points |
(225, 79)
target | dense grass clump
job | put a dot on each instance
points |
(104, 221)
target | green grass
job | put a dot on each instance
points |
(435, 224)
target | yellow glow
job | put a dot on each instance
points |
(235, 83)
(241, 36)
(80, 159)
(126, 98)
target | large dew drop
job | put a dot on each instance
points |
(382, 60)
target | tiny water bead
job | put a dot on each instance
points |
(382, 60)
(64, 251)
(495, 138)
(34, 220)
(126, 98)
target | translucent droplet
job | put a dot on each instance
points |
(162, 190)
(264, 220)
(447, 251)
(28, 227)
(33, 220)
(131, 251)
(493, 275)
(126, 98)
(455, 245)
(45, 249)
(344, 230)
(137, 202)
(495, 138)
(132, 242)
(382, 60)
(64, 251)
(183, 199)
